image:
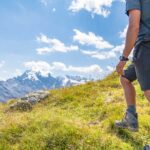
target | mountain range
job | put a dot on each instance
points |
(31, 81)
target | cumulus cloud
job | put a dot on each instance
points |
(100, 54)
(91, 39)
(99, 7)
(119, 50)
(54, 45)
(59, 68)
(40, 66)
(112, 53)
(110, 68)
(7, 74)
(104, 50)
(103, 55)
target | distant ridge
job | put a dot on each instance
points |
(31, 81)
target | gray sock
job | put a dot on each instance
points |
(131, 109)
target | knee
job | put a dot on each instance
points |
(147, 94)
(124, 81)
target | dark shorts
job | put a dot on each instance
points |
(140, 67)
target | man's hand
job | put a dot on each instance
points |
(120, 67)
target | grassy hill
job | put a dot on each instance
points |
(76, 118)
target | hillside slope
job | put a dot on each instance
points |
(76, 118)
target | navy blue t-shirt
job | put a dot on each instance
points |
(144, 7)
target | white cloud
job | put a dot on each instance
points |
(100, 54)
(54, 45)
(40, 66)
(80, 70)
(99, 7)
(110, 68)
(103, 55)
(7, 74)
(2, 64)
(59, 68)
(119, 49)
(124, 32)
(91, 39)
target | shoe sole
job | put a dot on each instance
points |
(129, 128)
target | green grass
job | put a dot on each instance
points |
(61, 122)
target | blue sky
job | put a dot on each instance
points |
(75, 37)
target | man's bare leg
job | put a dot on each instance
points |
(130, 120)
(129, 91)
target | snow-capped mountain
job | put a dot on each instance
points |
(32, 81)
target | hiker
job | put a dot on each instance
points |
(138, 36)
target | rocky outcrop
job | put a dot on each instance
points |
(26, 102)
(35, 97)
(20, 106)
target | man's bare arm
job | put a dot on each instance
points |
(132, 32)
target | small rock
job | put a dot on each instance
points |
(27, 101)
(35, 97)
(21, 106)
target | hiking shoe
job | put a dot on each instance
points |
(147, 147)
(129, 121)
